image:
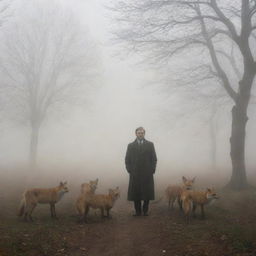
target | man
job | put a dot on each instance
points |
(140, 162)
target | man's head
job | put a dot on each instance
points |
(140, 133)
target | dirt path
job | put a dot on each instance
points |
(161, 233)
(164, 232)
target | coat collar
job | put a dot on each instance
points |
(136, 142)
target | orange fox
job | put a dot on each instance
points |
(192, 198)
(102, 202)
(34, 196)
(174, 192)
(87, 189)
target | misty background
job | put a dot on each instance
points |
(87, 137)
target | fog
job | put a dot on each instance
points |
(88, 140)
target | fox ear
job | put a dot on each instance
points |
(65, 183)
(184, 179)
(208, 190)
(97, 180)
(194, 179)
(61, 183)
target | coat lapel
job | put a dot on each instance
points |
(138, 148)
(144, 145)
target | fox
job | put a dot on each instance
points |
(104, 202)
(87, 189)
(192, 198)
(32, 197)
(174, 192)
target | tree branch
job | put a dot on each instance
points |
(225, 21)
(215, 61)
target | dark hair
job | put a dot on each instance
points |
(140, 128)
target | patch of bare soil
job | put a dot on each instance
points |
(229, 229)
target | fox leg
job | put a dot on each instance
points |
(194, 210)
(51, 210)
(26, 210)
(25, 218)
(54, 211)
(108, 212)
(80, 210)
(102, 212)
(26, 215)
(32, 207)
(186, 212)
(172, 202)
(180, 203)
(169, 203)
(80, 215)
(202, 211)
(186, 208)
(86, 212)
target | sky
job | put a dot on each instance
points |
(94, 137)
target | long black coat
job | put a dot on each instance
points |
(140, 162)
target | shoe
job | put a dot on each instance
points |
(137, 214)
(145, 214)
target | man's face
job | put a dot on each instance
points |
(140, 134)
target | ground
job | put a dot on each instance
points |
(229, 229)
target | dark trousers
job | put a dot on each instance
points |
(137, 206)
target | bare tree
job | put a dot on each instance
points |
(4, 6)
(205, 99)
(4, 15)
(47, 60)
(205, 29)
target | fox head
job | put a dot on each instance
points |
(188, 183)
(89, 187)
(93, 184)
(114, 193)
(63, 187)
(211, 194)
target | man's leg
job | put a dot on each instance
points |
(137, 206)
(145, 207)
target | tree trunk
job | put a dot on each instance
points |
(213, 137)
(213, 144)
(237, 142)
(34, 145)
